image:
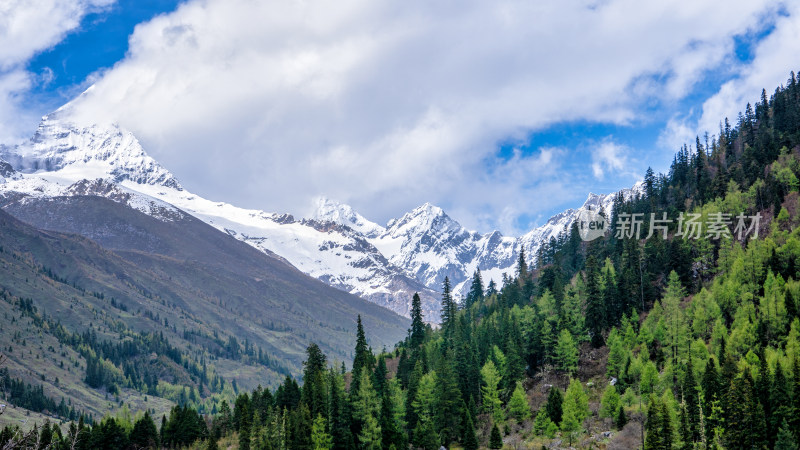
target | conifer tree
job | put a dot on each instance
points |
(595, 310)
(475, 294)
(449, 310)
(785, 439)
(491, 394)
(320, 439)
(554, 405)
(566, 354)
(621, 419)
(691, 397)
(363, 358)
(495, 439)
(518, 405)
(469, 439)
(417, 324)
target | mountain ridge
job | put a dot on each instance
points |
(336, 244)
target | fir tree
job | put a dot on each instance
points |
(691, 397)
(417, 324)
(320, 439)
(495, 439)
(554, 405)
(621, 419)
(469, 439)
(785, 439)
(475, 294)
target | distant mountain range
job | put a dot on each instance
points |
(383, 264)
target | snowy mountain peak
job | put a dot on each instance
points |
(332, 211)
(63, 149)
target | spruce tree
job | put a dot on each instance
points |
(362, 359)
(475, 294)
(691, 397)
(469, 439)
(495, 439)
(785, 439)
(417, 324)
(595, 309)
(621, 419)
(554, 405)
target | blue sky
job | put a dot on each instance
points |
(385, 107)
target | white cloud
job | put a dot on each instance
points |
(388, 104)
(28, 27)
(775, 56)
(608, 156)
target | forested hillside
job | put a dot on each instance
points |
(683, 335)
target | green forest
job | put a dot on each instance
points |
(661, 340)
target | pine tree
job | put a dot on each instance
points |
(595, 310)
(518, 405)
(475, 294)
(469, 439)
(417, 324)
(495, 439)
(575, 409)
(320, 439)
(449, 310)
(621, 419)
(522, 266)
(745, 426)
(566, 353)
(491, 395)
(610, 402)
(314, 392)
(366, 411)
(554, 405)
(447, 403)
(144, 433)
(363, 357)
(692, 399)
(785, 439)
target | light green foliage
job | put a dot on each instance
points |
(542, 423)
(567, 353)
(617, 355)
(491, 395)
(320, 439)
(577, 399)
(676, 336)
(425, 400)
(518, 406)
(610, 402)
(649, 379)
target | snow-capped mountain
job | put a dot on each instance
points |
(384, 264)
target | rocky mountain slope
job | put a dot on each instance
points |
(384, 264)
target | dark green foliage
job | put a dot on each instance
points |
(691, 398)
(417, 323)
(495, 439)
(314, 393)
(144, 433)
(425, 436)
(468, 438)
(785, 439)
(109, 435)
(745, 426)
(555, 399)
(184, 426)
(621, 419)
